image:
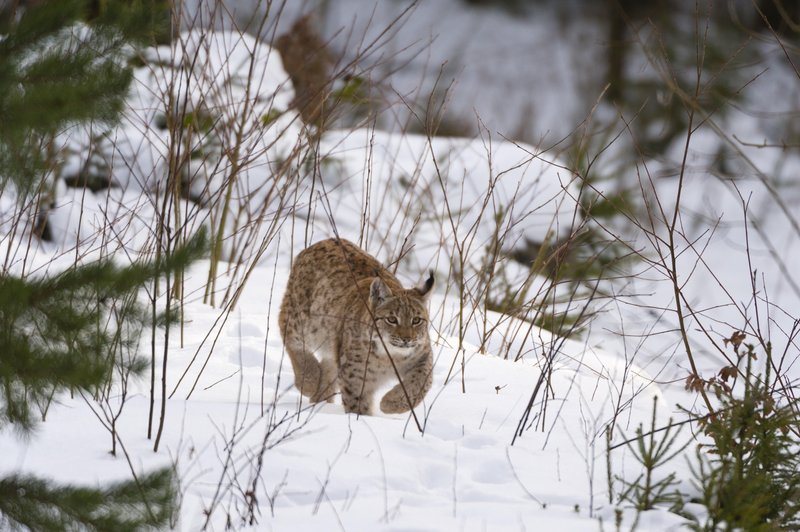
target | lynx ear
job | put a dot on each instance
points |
(378, 292)
(424, 289)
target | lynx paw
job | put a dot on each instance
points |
(360, 408)
(394, 402)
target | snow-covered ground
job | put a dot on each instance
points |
(236, 428)
(326, 470)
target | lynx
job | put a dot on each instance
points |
(343, 305)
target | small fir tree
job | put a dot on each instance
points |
(749, 476)
(62, 63)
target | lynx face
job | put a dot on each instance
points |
(401, 319)
(402, 322)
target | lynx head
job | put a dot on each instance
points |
(401, 318)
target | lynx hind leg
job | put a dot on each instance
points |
(417, 383)
(307, 371)
(329, 384)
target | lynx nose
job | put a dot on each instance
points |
(403, 342)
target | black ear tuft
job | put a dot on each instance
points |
(425, 288)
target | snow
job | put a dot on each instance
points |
(234, 419)
(324, 467)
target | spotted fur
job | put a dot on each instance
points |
(344, 318)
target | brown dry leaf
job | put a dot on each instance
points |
(694, 383)
(728, 372)
(735, 340)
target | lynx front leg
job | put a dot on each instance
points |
(356, 403)
(357, 389)
(417, 382)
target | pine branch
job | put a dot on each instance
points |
(49, 333)
(62, 64)
(28, 502)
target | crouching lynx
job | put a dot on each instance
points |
(345, 306)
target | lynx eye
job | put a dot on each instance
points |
(416, 321)
(391, 320)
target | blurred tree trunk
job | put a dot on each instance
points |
(782, 15)
(617, 47)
